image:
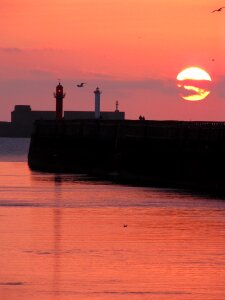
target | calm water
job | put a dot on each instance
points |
(65, 237)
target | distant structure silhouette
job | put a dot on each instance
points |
(97, 93)
(218, 10)
(117, 106)
(81, 84)
(59, 95)
(141, 118)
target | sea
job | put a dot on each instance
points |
(68, 236)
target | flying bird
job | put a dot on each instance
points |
(219, 9)
(81, 84)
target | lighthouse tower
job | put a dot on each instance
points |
(97, 93)
(59, 95)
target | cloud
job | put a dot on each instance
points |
(95, 75)
(11, 50)
(160, 85)
(218, 87)
(41, 74)
(31, 50)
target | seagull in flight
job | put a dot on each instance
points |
(219, 9)
(81, 84)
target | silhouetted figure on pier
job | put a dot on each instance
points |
(141, 118)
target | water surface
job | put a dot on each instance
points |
(67, 237)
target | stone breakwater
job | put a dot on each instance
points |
(168, 153)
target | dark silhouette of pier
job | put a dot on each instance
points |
(169, 153)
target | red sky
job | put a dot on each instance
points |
(132, 49)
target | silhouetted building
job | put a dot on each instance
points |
(6, 129)
(97, 93)
(23, 117)
(104, 115)
(59, 96)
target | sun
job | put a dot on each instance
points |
(194, 82)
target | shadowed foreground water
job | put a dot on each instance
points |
(65, 237)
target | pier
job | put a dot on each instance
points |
(169, 153)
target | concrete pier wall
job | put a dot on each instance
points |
(150, 152)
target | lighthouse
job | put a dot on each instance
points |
(97, 93)
(59, 95)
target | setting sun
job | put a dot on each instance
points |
(194, 83)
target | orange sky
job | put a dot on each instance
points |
(132, 49)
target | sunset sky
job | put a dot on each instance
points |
(132, 49)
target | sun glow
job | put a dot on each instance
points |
(200, 93)
(194, 73)
(193, 81)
